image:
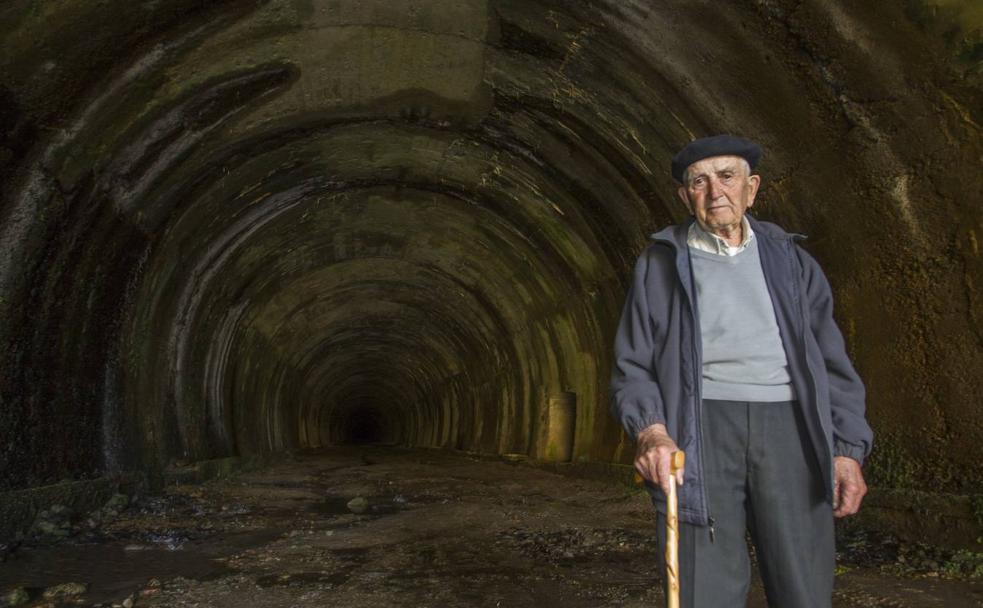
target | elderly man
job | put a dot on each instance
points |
(727, 350)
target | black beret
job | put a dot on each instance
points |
(716, 145)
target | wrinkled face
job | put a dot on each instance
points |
(718, 191)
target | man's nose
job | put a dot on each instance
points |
(713, 187)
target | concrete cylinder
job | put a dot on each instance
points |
(557, 424)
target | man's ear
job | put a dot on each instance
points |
(753, 182)
(684, 196)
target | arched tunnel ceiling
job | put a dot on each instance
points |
(236, 227)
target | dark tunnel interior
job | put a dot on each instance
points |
(243, 227)
(362, 422)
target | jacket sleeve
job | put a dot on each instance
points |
(852, 435)
(636, 399)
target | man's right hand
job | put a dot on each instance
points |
(652, 456)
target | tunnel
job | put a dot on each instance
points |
(249, 227)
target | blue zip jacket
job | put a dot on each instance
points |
(657, 374)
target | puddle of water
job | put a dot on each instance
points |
(377, 505)
(292, 579)
(115, 569)
(357, 555)
(111, 571)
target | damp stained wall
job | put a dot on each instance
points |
(237, 227)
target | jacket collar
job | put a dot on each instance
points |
(676, 235)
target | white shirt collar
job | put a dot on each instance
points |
(700, 239)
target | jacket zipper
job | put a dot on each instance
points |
(698, 391)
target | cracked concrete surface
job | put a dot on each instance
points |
(436, 529)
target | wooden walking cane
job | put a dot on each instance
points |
(676, 463)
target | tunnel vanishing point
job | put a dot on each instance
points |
(239, 227)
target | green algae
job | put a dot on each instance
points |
(891, 465)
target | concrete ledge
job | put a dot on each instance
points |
(218, 468)
(605, 471)
(947, 520)
(939, 519)
(19, 508)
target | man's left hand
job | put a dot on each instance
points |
(849, 486)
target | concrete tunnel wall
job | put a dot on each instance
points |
(244, 226)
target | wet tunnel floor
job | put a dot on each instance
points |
(437, 529)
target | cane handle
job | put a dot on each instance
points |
(677, 461)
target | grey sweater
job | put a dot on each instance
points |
(743, 357)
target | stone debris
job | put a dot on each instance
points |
(170, 539)
(64, 591)
(8, 548)
(115, 505)
(16, 597)
(554, 546)
(152, 588)
(358, 505)
(235, 509)
(52, 524)
(858, 548)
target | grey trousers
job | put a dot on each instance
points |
(762, 480)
